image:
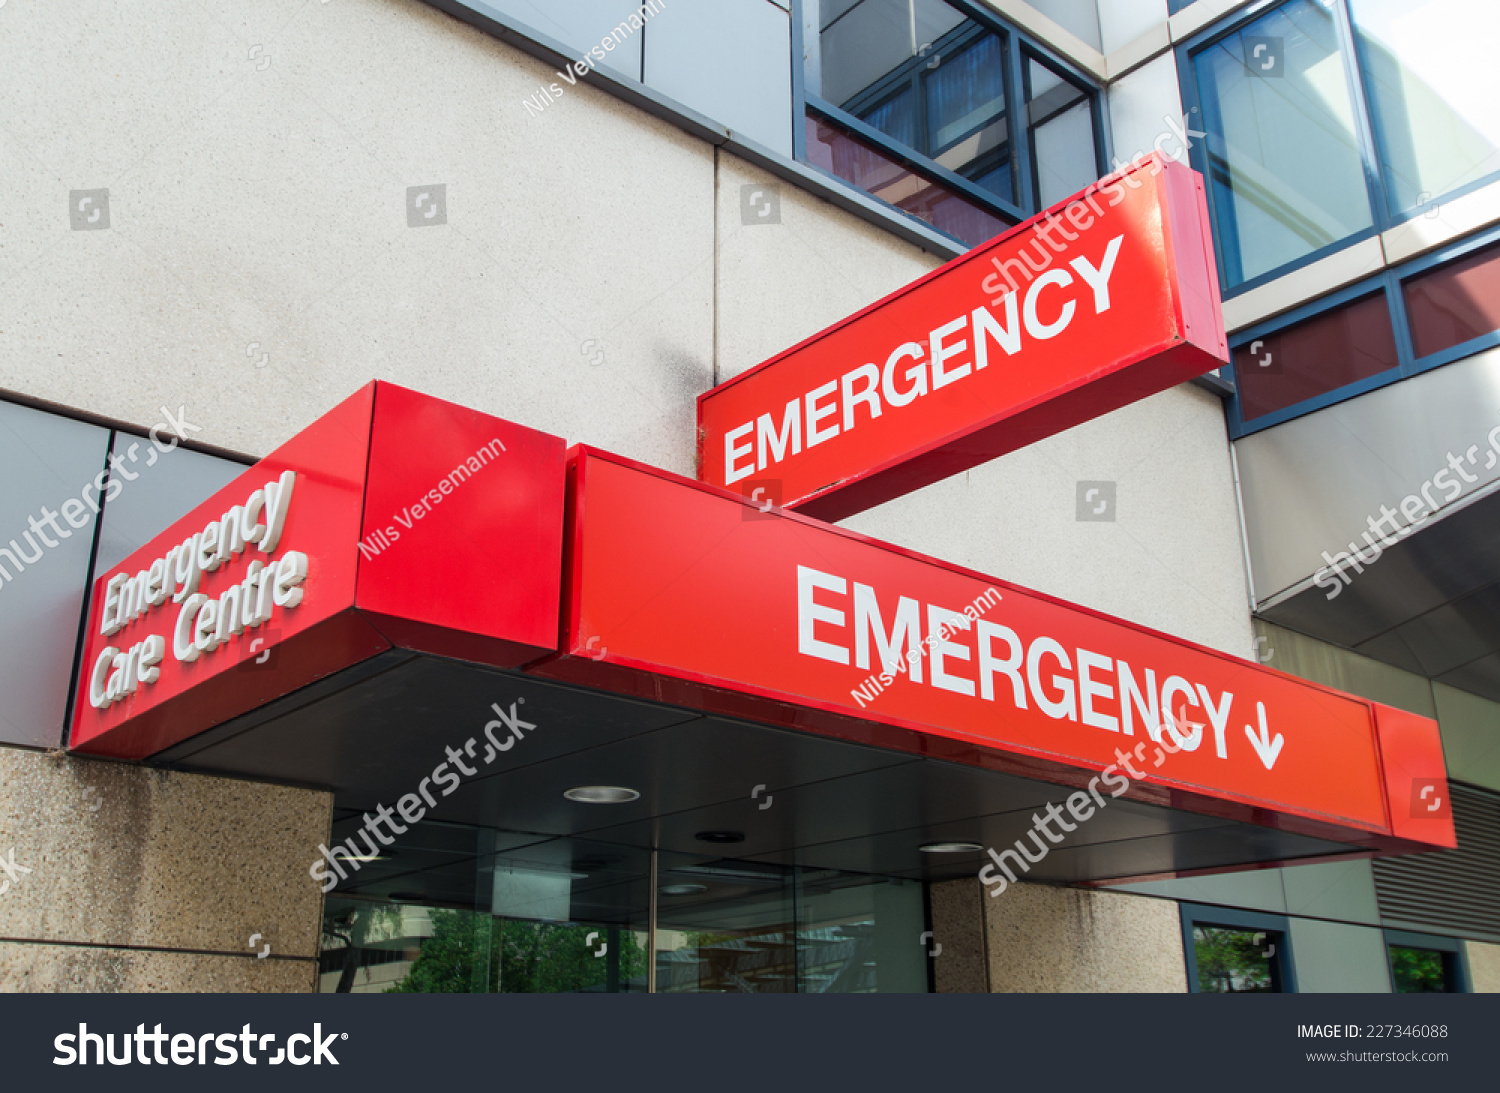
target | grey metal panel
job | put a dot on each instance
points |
(578, 24)
(46, 460)
(1309, 485)
(1481, 677)
(1453, 892)
(730, 60)
(165, 489)
(1337, 890)
(1430, 604)
(1257, 889)
(1471, 736)
(1336, 959)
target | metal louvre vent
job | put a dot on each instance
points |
(1451, 891)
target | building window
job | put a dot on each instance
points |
(1329, 120)
(1455, 303)
(1333, 349)
(1283, 153)
(1432, 84)
(1425, 964)
(1060, 115)
(1434, 310)
(862, 162)
(920, 97)
(1230, 951)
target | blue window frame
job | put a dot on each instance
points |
(1229, 950)
(959, 98)
(1332, 120)
(1391, 284)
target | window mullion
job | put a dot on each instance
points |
(1369, 153)
(1020, 126)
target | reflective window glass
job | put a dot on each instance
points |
(1236, 961)
(1062, 135)
(445, 908)
(1432, 83)
(1340, 346)
(1454, 303)
(859, 162)
(922, 73)
(1284, 159)
(1422, 971)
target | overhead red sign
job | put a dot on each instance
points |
(681, 592)
(395, 520)
(1104, 299)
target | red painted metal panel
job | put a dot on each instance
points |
(461, 539)
(1416, 778)
(1102, 300)
(686, 593)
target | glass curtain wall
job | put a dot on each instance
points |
(455, 909)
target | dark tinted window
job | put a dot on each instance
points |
(1454, 303)
(858, 162)
(1321, 354)
(1422, 971)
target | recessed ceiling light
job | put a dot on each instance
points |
(950, 848)
(601, 795)
(720, 836)
(682, 889)
(343, 855)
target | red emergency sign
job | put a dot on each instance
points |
(395, 520)
(1100, 301)
(682, 592)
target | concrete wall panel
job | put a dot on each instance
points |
(1051, 940)
(129, 856)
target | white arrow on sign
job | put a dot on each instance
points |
(1265, 747)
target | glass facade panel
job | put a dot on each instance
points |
(1341, 346)
(1454, 303)
(1236, 961)
(921, 73)
(732, 927)
(452, 908)
(50, 465)
(859, 162)
(859, 935)
(1285, 167)
(1062, 135)
(1432, 85)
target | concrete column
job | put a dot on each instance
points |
(958, 926)
(1484, 967)
(132, 879)
(1044, 939)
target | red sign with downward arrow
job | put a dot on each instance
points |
(685, 592)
